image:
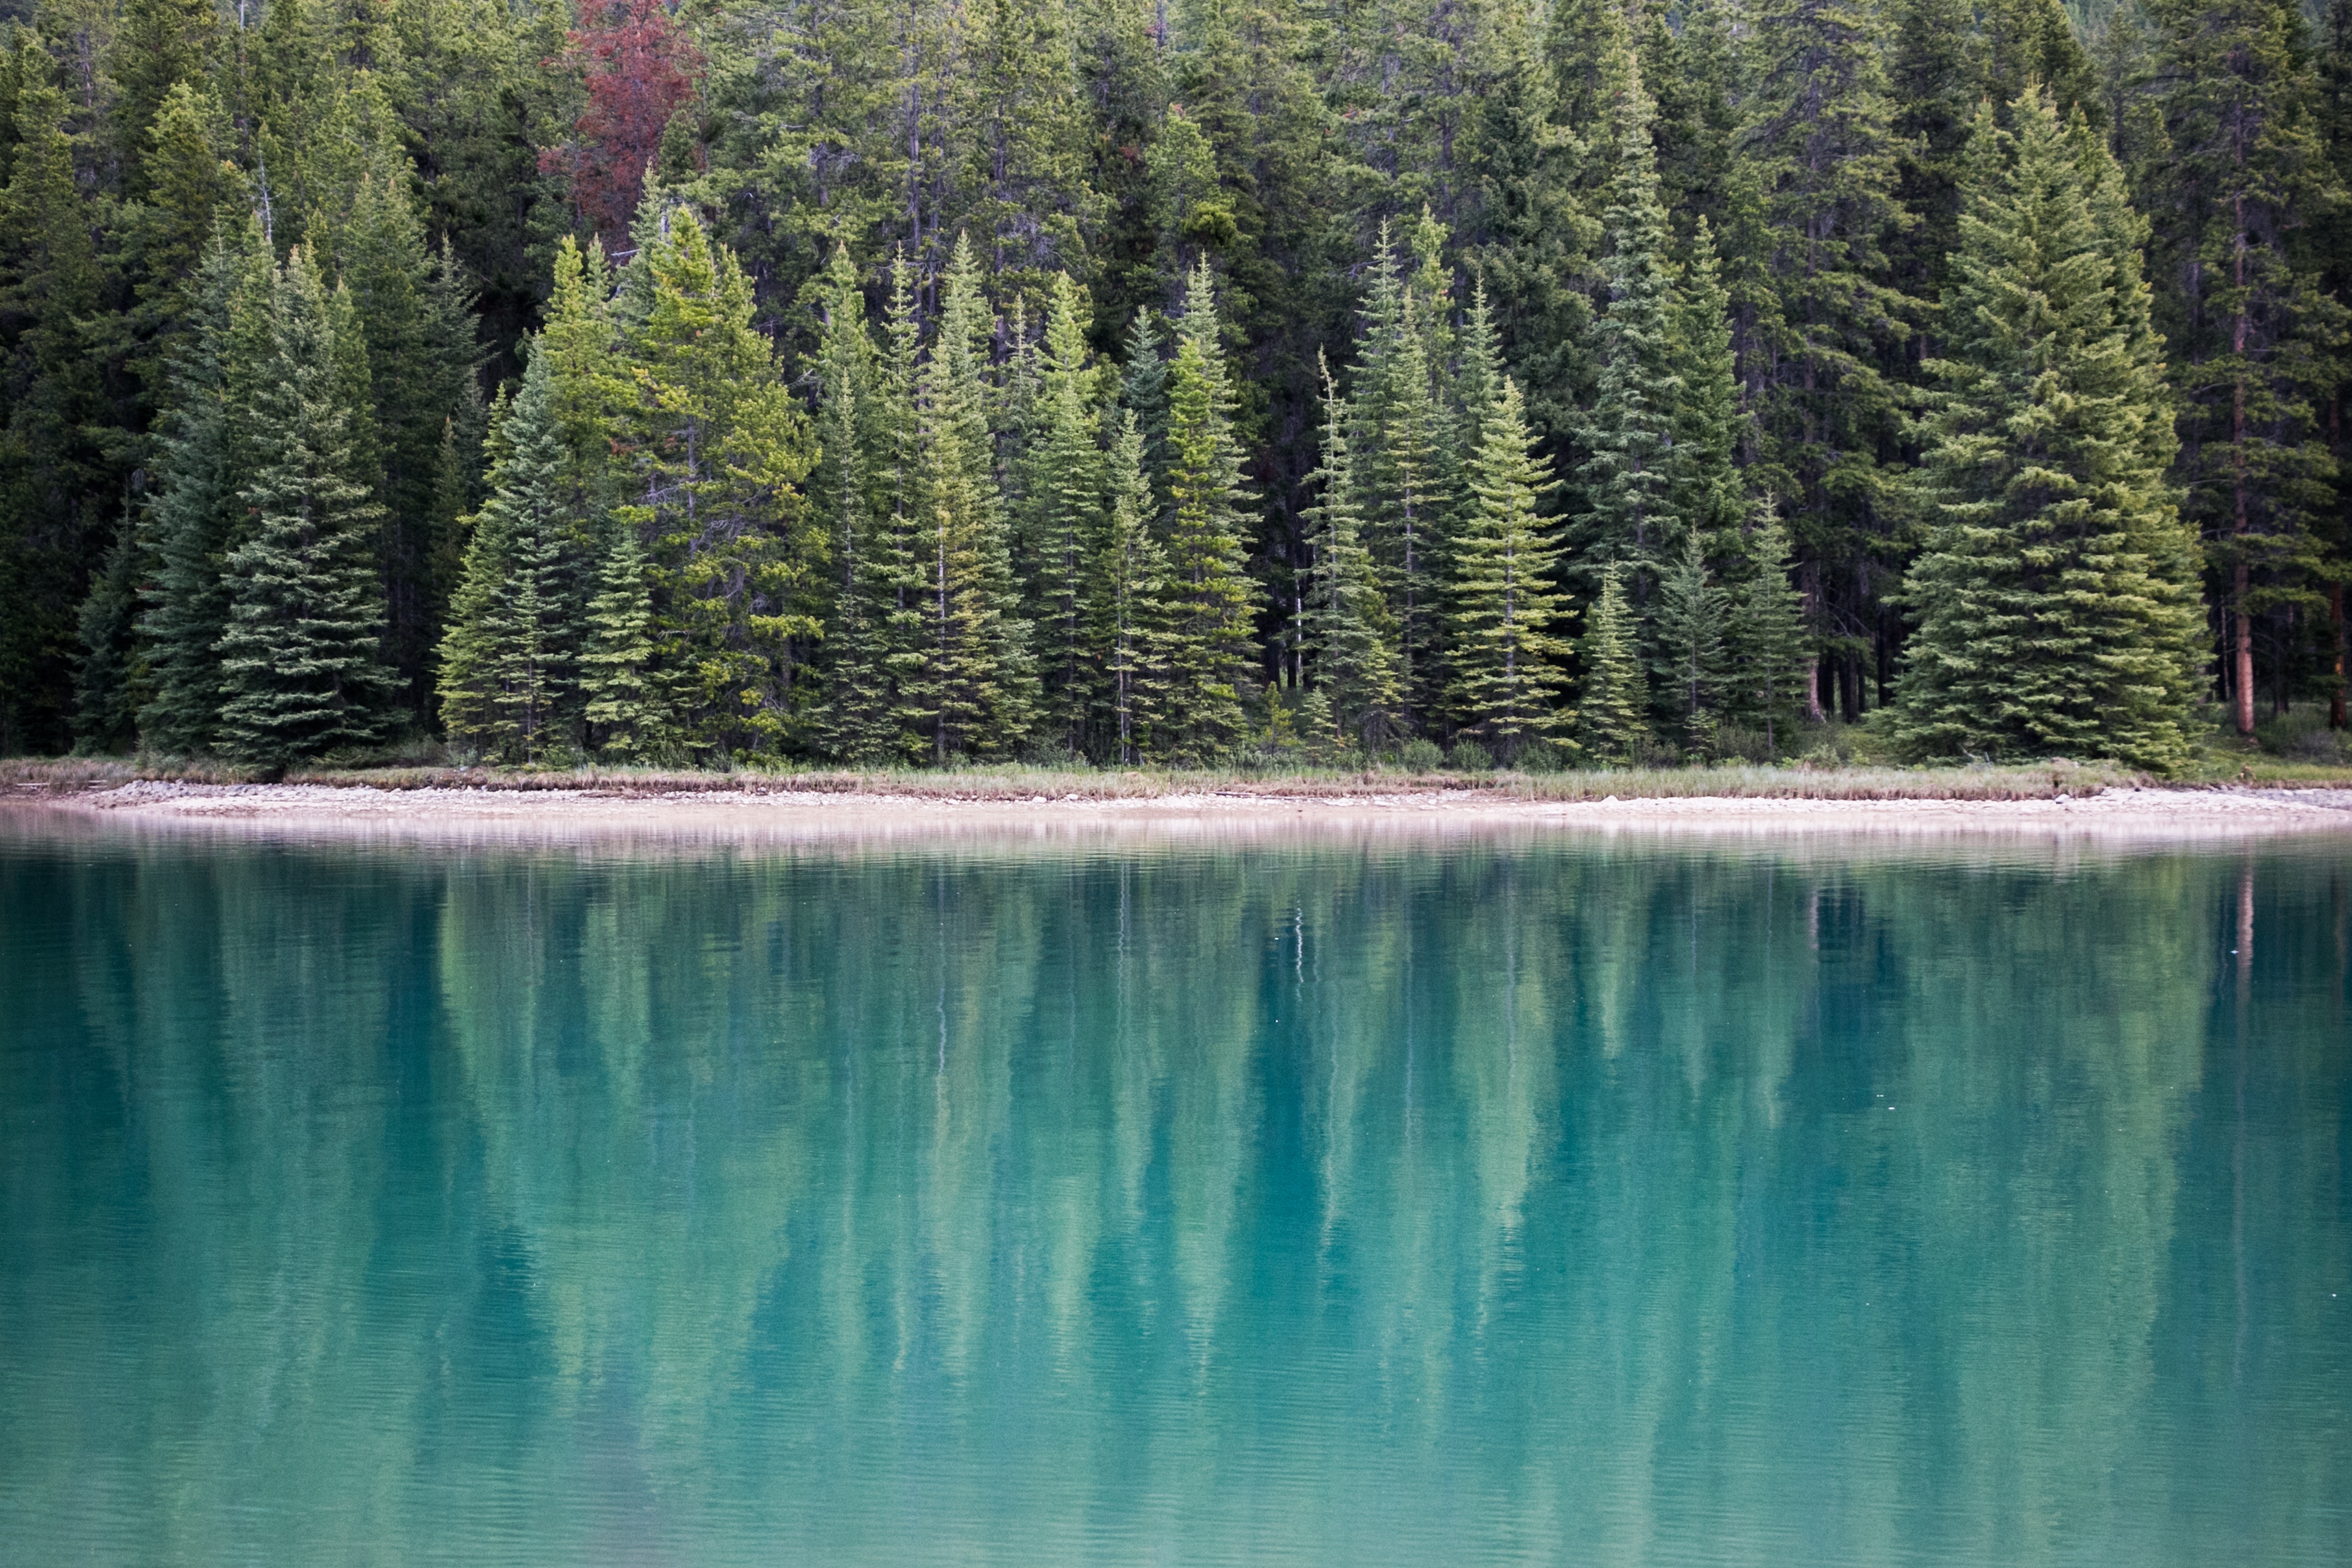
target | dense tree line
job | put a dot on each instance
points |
(1152, 381)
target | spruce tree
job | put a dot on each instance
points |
(1692, 613)
(1613, 714)
(301, 659)
(858, 724)
(1066, 484)
(1627, 474)
(1348, 629)
(1128, 603)
(977, 687)
(2231, 170)
(1706, 495)
(2058, 611)
(514, 633)
(109, 687)
(205, 456)
(1211, 650)
(1771, 648)
(1506, 656)
(721, 451)
(625, 694)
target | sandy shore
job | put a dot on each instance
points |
(2133, 814)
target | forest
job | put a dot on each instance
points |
(887, 382)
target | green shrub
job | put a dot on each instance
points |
(1421, 756)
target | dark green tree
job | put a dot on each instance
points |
(1612, 712)
(301, 661)
(2056, 592)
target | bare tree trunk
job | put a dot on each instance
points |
(2335, 715)
(2242, 658)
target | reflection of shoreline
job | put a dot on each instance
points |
(679, 823)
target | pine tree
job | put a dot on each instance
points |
(2231, 170)
(1691, 611)
(1506, 657)
(1705, 497)
(1127, 604)
(1771, 647)
(2056, 596)
(1397, 434)
(108, 686)
(625, 693)
(1067, 485)
(1611, 720)
(1628, 471)
(977, 687)
(204, 458)
(1212, 648)
(722, 454)
(1818, 318)
(301, 668)
(514, 632)
(859, 724)
(1348, 629)
(59, 484)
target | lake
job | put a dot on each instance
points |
(1313, 1200)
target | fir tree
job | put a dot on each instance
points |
(1211, 650)
(720, 457)
(1705, 493)
(977, 689)
(1127, 605)
(624, 693)
(1068, 485)
(203, 459)
(1506, 656)
(1628, 471)
(514, 630)
(859, 724)
(2231, 170)
(2057, 605)
(107, 688)
(1691, 611)
(1348, 629)
(1770, 646)
(1611, 720)
(300, 660)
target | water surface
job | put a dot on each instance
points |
(1323, 1201)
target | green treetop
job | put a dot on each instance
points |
(1507, 656)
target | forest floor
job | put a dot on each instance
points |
(2057, 798)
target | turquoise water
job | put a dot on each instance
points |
(1326, 1201)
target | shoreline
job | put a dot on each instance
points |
(2109, 813)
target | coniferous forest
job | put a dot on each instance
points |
(889, 381)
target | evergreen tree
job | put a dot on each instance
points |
(976, 688)
(1127, 607)
(1067, 485)
(720, 455)
(1212, 649)
(625, 693)
(300, 660)
(1771, 647)
(1611, 720)
(860, 722)
(58, 483)
(514, 629)
(2056, 592)
(2231, 170)
(107, 687)
(1506, 656)
(1706, 495)
(1347, 628)
(196, 515)
(1691, 611)
(1819, 320)
(1627, 474)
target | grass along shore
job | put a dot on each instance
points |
(1803, 780)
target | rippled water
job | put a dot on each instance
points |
(1311, 1201)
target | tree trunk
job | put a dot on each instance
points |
(2242, 658)
(2335, 715)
